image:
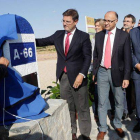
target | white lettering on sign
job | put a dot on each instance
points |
(26, 53)
(16, 54)
(30, 52)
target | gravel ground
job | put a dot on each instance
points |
(47, 69)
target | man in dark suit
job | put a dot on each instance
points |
(3, 67)
(112, 65)
(129, 101)
(135, 38)
(74, 57)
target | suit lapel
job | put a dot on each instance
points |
(74, 39)
(116, 39)
(102, 42)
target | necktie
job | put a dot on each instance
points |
(67, 45)
(107, 58)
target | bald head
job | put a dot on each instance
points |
(111, 19)
(113, 13)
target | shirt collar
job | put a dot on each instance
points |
(112, 31)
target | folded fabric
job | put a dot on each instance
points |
(8, 28)
(17, 97)
(20, 99)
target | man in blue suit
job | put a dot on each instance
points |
(135, 37)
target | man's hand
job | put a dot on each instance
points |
(4, 61)
(138, 66)
(125, 83)
(93, 77)
(78, 81)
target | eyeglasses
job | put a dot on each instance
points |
(67, 22)
(109, 21)
(127, 21)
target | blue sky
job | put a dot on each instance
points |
(45, 15)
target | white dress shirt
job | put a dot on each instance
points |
(70, 39)
(112, 37)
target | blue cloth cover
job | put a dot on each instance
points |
(21, 99)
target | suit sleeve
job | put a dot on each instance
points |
(95, 57)
(45, 41)
(87, 55)
(3, 71)
(133, 39)
(127, 58)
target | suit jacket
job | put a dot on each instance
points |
(135, 39)
(78, 57)
(121, 56)
(3, 71)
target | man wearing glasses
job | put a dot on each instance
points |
(112, 65)
(74, 57)
(129, 101)
(129, 22)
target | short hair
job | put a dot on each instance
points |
(101, 22)
(131, 16)
(98, 20)
(73, 13)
